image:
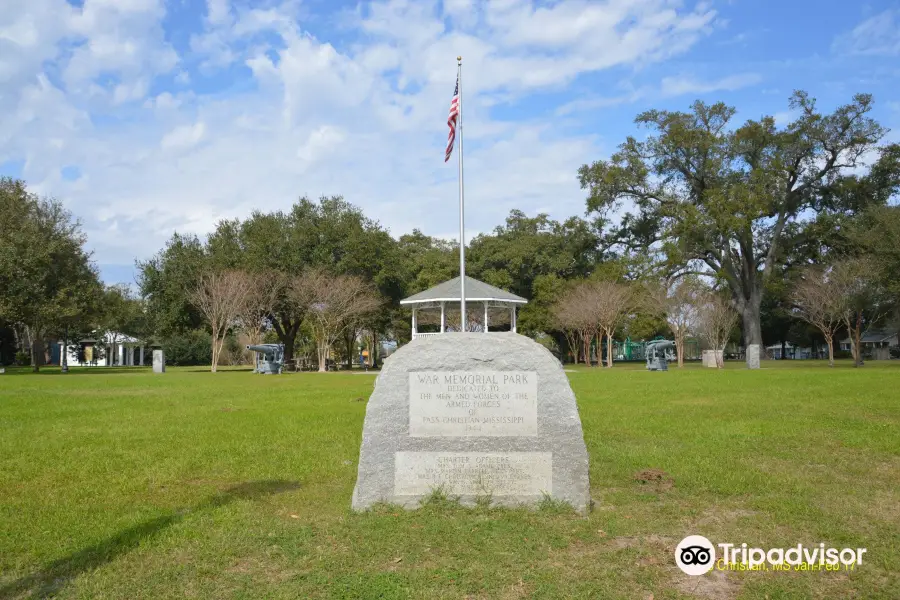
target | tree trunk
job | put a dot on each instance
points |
(829, 341)
(35, 354)
(322, 351)
(857, 338)
(609, 349)
(215, 353)
(349, 340)
(287, 338)
(749, 310)
(783, 349)
(679, 348)
(374, 353)
(586, 343)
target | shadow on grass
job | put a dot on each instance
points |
(55, 575)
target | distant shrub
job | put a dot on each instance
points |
(895, 351)
(191, 348)
(842, 354)
(23, 359)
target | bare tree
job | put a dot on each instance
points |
(860, 300)
(574, 315)
(333, 304)
(715, 321)
(819, 301)
(677, 302)
(611, 303)
(266, 289)
(222, 297)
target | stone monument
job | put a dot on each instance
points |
(753, 356)
(159, 361)
(475, 416)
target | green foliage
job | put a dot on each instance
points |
(46, 277)
(525, 248)
(120, 312)
(189, 348)
(331, 234)
(724, 198)
(165, 282)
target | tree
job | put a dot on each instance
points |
(716, 319)
(677, 301)
(46, 275)
(266, 288)
(332, 304)
(165, 282)
(723, 198)
(862, 303)
(819, 302)
(330, 234)
(611, 302)
(575, 316)
(876, 236)
(222, 296)
(524, 248)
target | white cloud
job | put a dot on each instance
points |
(677, 86)
(183, 136)
(365, 118)
(877, 35)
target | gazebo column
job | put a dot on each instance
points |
(142, 355)
(485, 317)
(443, 316)
(414, 323)
(512, 317)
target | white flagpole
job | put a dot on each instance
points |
(462, 211)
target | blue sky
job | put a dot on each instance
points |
(153, 116)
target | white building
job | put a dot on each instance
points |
(124, 351)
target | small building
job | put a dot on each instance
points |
(125, 351)
(439, 307)
(790, 352)
(874, 339)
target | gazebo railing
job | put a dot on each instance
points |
(416, 335)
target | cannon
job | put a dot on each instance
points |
(656, 354)
(269, 358)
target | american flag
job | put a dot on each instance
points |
(451, 121)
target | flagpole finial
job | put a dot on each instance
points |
(459, 59)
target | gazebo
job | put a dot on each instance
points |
(481, 298)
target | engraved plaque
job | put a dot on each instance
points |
(472, 403)
(474, 473)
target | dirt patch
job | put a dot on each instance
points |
(655, 479)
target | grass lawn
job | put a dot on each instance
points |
(122, 484)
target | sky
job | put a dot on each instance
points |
(147, 117)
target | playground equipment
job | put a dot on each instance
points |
(656, 354)
(269, 358)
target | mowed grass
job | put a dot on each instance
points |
(122, 484)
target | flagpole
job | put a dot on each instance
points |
(462, 203)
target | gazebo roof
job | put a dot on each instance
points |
(475, 291)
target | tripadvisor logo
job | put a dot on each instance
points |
(696, 555)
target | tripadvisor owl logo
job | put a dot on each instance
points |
(695, 555)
